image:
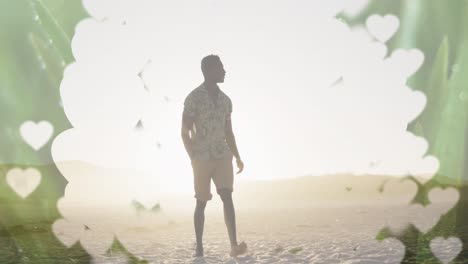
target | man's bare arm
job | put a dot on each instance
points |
(187, 124)
(230, 138)
(231, 141)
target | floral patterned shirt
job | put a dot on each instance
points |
(208, 136)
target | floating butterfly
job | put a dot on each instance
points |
(381, 188)
(140, 75)
(140, 207)
(338, 81)
(139, 125)
(374, 164)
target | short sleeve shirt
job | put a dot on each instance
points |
(208, 136)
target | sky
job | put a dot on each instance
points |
(311, 96)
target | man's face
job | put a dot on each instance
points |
(218, 73)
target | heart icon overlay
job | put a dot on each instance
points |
(442, 200)
(67, 232)
(36, 134)
(446, 249)
(382, 28)
(23, 182)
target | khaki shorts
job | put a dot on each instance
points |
(221, 171)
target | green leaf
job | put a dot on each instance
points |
(48, 58)
(52, 29)
(411, 19)
(449, 144)
(436, 93)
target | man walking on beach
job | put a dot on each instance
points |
(210, 143)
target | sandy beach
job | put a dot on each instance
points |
(320, 235)
(306, 220)
(313, 235)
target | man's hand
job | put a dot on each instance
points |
(191, 156)
(240, 165)
(187, 123)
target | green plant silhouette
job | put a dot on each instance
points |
(35, 47)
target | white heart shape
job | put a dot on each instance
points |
(85, 85)
(441, 201)
(418, 99)
(354, 7)
(439, 195)
(400, 192)
(67, 232)
(360, 32)
(36, 135)
(23, 182)
(382, 28)
(425, 169)
(136, 232)
(407, 61)
(72, 212)
(94, 39)
(392, 245)
(446, 249)
(97, 241)
(380, 50)
(102, 9)
(424, 218)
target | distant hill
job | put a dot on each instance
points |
(327, 190)
(306, 191)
